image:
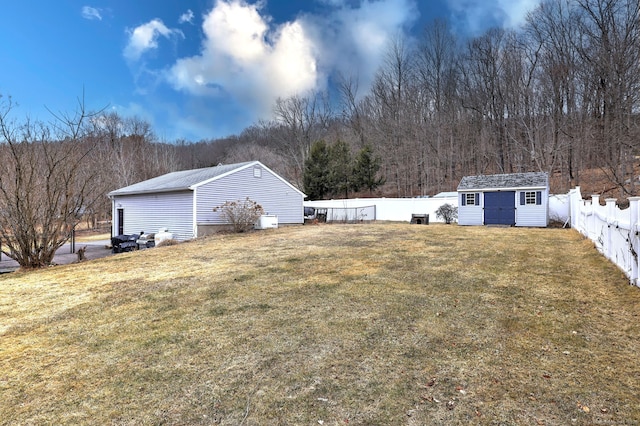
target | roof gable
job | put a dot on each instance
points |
(501, 181)
(243, 166)
(180, 181)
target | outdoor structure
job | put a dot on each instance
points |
(183, 202)
(387, 209)
(614, 231)
(515, 199)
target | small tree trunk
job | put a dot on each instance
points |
(80, 254)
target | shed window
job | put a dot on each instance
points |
(531, 198)
(472, 199)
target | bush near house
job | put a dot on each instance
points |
(241, 214)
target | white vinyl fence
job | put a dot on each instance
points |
(391, 209)
(351, 214)
(614, 231)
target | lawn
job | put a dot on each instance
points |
(328, 324)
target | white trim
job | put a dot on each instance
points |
(252, 164)
(514, 188)
(194, 211)
(230, 172)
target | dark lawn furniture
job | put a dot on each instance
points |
(122, 243)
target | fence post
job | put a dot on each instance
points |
(585, 218)
(591, 220)
(595, 206)
(575, 212)
(634, 218)
(611, 205)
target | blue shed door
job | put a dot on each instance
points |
(500, 208)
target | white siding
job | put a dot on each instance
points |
(470, 215)
(150, 212)
(526, 215)
(274, 195)
(532, 214)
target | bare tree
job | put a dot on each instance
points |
(552, 29)
(353, 110)
(485, 93)
(394, 105)
(301, 120)
(45, 184)
(610, 49)
(437, 66)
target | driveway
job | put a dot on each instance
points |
(64, 255)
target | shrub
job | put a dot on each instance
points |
(447, 212)
(241, 214)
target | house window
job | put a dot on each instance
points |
(530, 198)
(257, 172)
(472, 199)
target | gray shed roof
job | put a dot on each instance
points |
(502, 181)
(178, 181)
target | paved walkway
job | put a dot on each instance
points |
(95, 250)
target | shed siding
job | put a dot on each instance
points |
(532, 214)
(470, 214)
(150, 212)
(275, 196)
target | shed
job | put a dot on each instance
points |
(514, 199)
(183, 201)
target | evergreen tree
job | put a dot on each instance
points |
(366, 169)
(316, 177)
(341, 168)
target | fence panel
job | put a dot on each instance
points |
(351, 214)
(613, 231)
(391, 209)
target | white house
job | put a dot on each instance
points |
(183, 202)
(515, 199)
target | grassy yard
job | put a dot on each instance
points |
(387, 324)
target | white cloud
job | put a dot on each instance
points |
(186, 17)
(91, 13)
(353, 40)
(475, 16)
(248, 60)
(145, 37)
(516, 11)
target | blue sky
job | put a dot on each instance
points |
(201, 69)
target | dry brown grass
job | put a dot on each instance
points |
(344, 324)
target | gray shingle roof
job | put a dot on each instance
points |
(177, 181)
(510, 180)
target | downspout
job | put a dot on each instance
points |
(113, 210)
(194, 212)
